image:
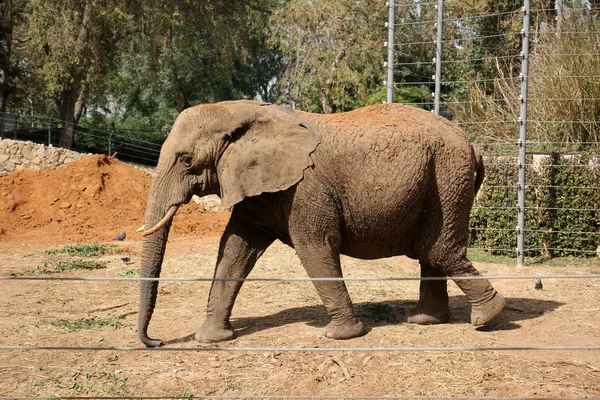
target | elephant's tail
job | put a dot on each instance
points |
(479, 169)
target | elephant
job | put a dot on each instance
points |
(379, 181)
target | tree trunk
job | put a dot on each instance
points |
(73, 95)
(6, 28)
(325, 103)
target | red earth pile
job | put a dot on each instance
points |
(90, 200)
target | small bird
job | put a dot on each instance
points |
(539, 285)
(126, 258)
(121, 237)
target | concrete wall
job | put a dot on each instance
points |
(15, 154)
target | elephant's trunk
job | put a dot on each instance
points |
(153, 250)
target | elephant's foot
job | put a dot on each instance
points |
(486, 302)
(209, 333)
(433, 298)
(482, 313)
(428, 317)
(344, 331)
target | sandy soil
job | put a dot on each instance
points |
(267, 315)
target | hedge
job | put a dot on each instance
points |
(562, 216)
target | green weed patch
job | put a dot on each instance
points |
(61, 266)
(89, 323)
(83, 250)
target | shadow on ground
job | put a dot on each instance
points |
(384, 313)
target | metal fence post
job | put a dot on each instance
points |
(109, 152)
(16, 128)
(438, 57)
(49, 133)
(390, 47)
(523, 134)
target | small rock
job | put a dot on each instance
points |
(64, 205)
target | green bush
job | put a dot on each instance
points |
(561, 217)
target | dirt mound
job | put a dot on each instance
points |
(92, 199)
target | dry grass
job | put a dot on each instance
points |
(285, 314)
(564, 87)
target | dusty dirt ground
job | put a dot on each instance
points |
(266, 315)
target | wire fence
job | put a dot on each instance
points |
(534, 189)
(140, 147)
(533, 113)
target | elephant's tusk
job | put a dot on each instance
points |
(141, 228)
(168, 217)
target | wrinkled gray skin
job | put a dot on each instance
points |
(380, 181)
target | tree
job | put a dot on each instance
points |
(70, 45)
(333, 51)
(6, 38)
(184, 53)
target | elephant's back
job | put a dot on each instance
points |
(397, 120)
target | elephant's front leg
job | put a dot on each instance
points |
(241, 246)
(323, 261)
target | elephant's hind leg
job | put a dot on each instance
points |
(241, 246)
(486, 302)
(433, 299)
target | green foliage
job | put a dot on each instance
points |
(90, 323)
(561, 217)
(83, 250)
(130, 272)
(494, 210)
(576, 199)
(50, 267)
(408, 95)
(332, 52)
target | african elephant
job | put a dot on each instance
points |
(376, 182)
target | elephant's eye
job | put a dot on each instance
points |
(186, 160)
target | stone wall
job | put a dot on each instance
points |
(15, 154)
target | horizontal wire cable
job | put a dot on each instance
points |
(558, 187)
(561, 209)
(422, 4)
(564, 99)
(274, 397)
(501, 79)
(535, 208)
(561, 249)
(550, 231)
(433, 21)
(496, 250)
(563, 143)
(470, 38)
(304, 349)
(517, 99)
(490, 123)
(563, 165)
(495, 208)
(303, 279)
(492, 229)
(535, 121)
(481, 59)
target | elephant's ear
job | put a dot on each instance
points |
(267, 152)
